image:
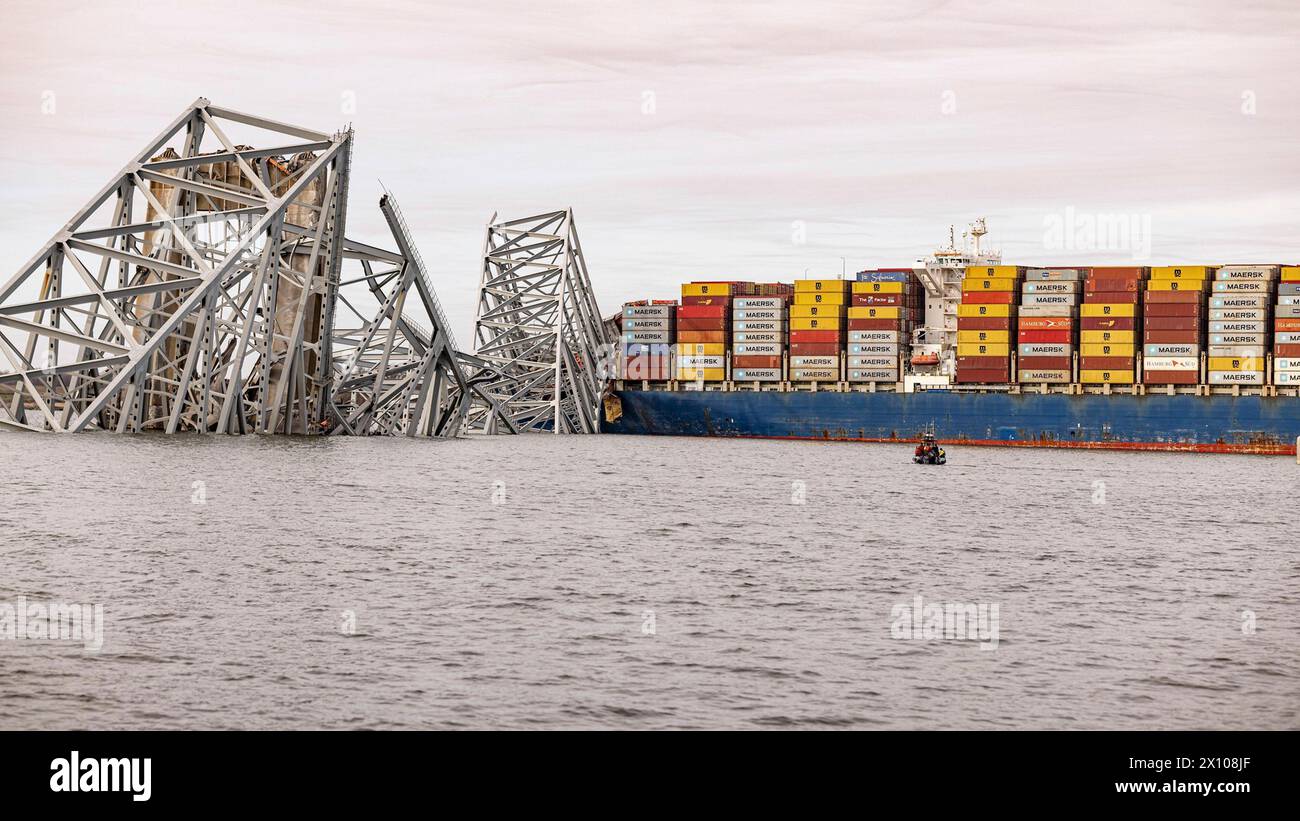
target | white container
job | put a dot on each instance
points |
(1172, 363)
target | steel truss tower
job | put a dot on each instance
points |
(398, 371)
(195, 291)
(539, 330)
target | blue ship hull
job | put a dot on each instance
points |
(1211, 424)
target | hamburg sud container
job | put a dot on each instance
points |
(883, 305)
(758, 333)
(1109, 318)
(703, 325)
(1286, 328)
(985, 317)
(1174, 324)
(648, 336)
(1048, 325)
(1240, 308)
(817, 326)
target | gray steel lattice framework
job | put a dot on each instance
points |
(539, 330)
(397, 372)
(193, 292)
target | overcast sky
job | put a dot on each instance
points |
(693, 139)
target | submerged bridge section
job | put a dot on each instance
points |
(209, 287)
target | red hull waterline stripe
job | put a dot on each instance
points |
(1261, 449)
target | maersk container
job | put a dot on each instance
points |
(891, 337)
(1245, 301)
(872, 362)
(1286, 378)
(757, 375)
(873, 375)
(767, 303)
(765, 314)
(757, 349)
(815, 374)
(811, 362)
(1238, 327)
(759, 336)
(1045, 350)
(768, 327)
(877, 349)
(1239, 315)
(1070, 287)
(1236, 377)
(1172, 350)
(1234, 286)
(1050, 377)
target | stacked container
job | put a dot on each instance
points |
(817, 326)
(758, 334)
(1240, 303)
(882, 309)
(985, 319)
(649, 327)
(1109, 317)
(703, 329)
(1286, 329)
(1047, 332)
(1174, 324)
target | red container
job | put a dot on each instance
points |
(1046, 323)
(1172, 337)
(815, 336)
(983, 323)
(755, 361)
(1112, 297)
(1154, 297)
(702, 336)
(1171, 377)
(701, 311)
(715, 324)
(988, 297)
(1118, 271)
(1050, 337)
(984, 363)
(1095, 283)
(1172, 323)
(997, 377)
(815, 349)
(872, 300)
(1107, 363)
(876, 325)
(1287, 351)
(705, 300)
(1173, 308)
(1045, 363)
(1108, 323)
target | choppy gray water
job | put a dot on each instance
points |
(644, 583)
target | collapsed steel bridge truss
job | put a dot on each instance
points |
(197, 291)
(545, 349)
(193, 292)
(397, 371)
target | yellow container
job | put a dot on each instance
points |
(1094, 337)
(872, 312)
(701, 349)
(1107, 309)
(988, 271)
(983, 336)
(1107, 349)
(819, 323)
(984, 310)
(998, 284)
(1176, 284)
(983, 349)
(1230, 363)
(835, 286)
(706, 289)
(1184, 272)
(1291, 273)
(707, 374)
(878, 287)
(806, 311)
(821, 298)
(1106, 377)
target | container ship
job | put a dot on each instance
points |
(1199, 358)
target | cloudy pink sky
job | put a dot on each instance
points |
(876, 125)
